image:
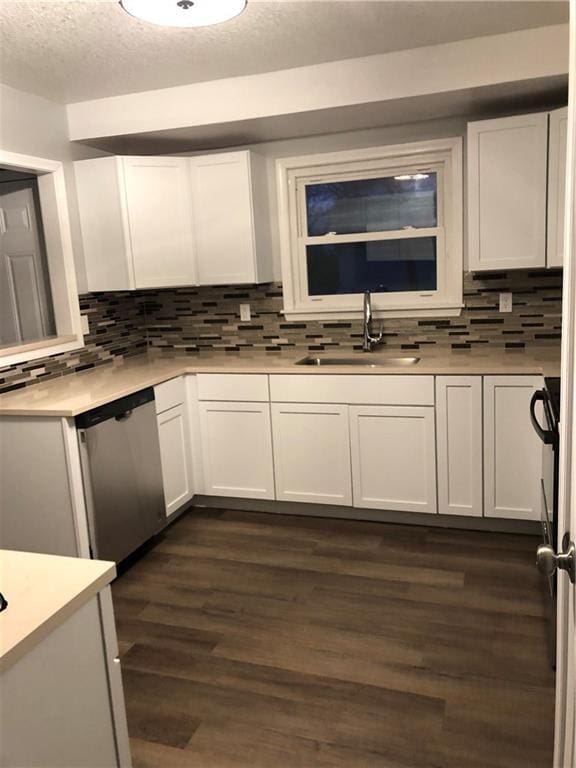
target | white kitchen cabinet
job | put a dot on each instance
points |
(459, 444)
(393, 457)
(231, 219)
(507, 176)
(512, 449)
(558, 136)
(237, 449)
(312, 453)
(135, 222)
(61, 694)
(174, 434)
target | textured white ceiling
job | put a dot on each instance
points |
(85, 49)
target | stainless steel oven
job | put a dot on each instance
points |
(547, 402)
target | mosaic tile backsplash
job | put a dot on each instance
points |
(117, 330)
(207, 319)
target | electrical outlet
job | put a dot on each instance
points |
(505, 302)
(245, 314)
(85, 326)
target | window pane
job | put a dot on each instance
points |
(383, 265)
(371, 205)
(26, 312)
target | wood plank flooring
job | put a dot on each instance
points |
(264, 641)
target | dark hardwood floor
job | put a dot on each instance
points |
(269, 641)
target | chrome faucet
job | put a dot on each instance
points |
(369, 341)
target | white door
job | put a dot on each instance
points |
(556, 186)
(24, 287)
(312, 453)
(507, 170)
(160, 222)
(237, 449)
(223, 219)
(175, 455)
(512, 449)
(393, 457)
(565, 730)
(459, 444)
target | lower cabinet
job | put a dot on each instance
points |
(175, 453)
(512, 449)
(312, 453)
(393, 457)
(459, 444)
(62, 702)
(237, 449)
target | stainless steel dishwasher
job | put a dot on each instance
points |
(120, 454)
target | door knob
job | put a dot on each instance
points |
(548, 560)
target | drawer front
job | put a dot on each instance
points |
(246, 387)
(170, 394)
(355, 390)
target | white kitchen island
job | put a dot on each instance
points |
(61, 696)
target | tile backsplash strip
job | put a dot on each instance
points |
(204, 320)
(189, 320)
(117, 330)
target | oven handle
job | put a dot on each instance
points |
(546, 435)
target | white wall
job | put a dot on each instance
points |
(31, 125)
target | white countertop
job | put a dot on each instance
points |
(76, 393)
(42, 591)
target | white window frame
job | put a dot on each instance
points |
(60, 257)
(443, 156)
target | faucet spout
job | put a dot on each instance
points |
(369, 341)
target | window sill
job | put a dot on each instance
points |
(23, 353)
(338, 314)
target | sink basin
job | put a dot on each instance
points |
(365, 361)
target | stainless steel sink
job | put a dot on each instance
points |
(365, 361)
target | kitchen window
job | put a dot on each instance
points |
(39, 312)
(386, 220)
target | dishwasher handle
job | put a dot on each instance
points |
(124, 416)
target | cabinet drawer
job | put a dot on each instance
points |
(353, 389)
(247, 387)
(169, 394)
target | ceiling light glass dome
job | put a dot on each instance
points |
(184, 13)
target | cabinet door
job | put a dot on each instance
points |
(459, 444)
(556, 186)
(393, 457)
(237, 449)
(512, 449)
(312, 453)
(159, 220)
(507, 169)
(223, 219)
(176, 457)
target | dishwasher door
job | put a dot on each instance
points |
(122, 473)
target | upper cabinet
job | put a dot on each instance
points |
(154, 222)
(507, 169)
(516, 180)
(231, 221)
(135, 222)
(558, 138)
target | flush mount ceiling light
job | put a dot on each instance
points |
(184, 13)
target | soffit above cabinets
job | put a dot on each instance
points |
(474, 78)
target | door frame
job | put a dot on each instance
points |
(565, 715)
